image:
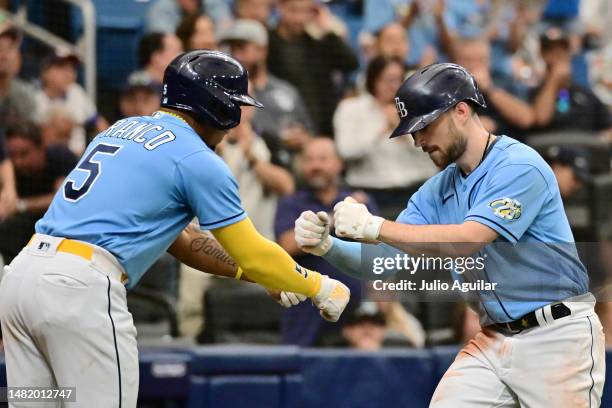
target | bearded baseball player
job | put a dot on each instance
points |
(541, 343)
(131, 197)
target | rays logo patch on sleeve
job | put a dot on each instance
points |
(506, 208)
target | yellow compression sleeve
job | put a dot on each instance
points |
(264, 261)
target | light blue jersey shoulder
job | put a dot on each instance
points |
(137, 186)
(514, 192)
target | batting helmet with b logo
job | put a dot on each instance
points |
(431, 91)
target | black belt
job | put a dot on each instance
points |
(558, 310)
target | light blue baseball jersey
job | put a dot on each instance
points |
(137, 186)
(514, 192)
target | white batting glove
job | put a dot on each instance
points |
(332, 298)
(288, 299)
(353, 220)
(312, 233)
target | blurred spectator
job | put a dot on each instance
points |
(571, 167)
(17, 103)
(259, 181)
(401, 328)
(313, 65)
(39, 172)
(57, 127)
(364, 327)
(561, 104)
(372, 325)
(527, 67)
(596, 16)
(392, 41)
(321, 168)
(197, 32)
(138, 100)
(362, 127)
(428, 24)
(59, 87)
(155, 52)
(165, 15)
(258, 10)
(17, 100)
(505, 112)
(284, 123)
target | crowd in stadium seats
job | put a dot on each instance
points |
(327, 72)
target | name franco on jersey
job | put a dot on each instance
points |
(134, 130)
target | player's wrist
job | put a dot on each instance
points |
(323, 247)
(372, 227)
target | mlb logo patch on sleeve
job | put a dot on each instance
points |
(506, 208)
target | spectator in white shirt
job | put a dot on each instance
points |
(389, 170)
(59, 91)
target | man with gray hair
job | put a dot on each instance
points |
(285, 124)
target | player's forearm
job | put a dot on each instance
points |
(265, 261)
(346, 257)
(199, 250)
(458, 239)
(354, 258)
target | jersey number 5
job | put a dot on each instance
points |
(92, 167)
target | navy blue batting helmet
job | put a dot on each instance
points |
(210, 85)
(431, 91)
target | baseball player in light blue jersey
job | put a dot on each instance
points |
(541, 343)
(131, 197)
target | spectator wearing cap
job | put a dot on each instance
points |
(60, 94)
(197, 32)
(506, 113)
(371, 325)
(16, 103)
(155, 52)
(39, 172)
(559, 103)
(571, 167)
(284, 124)
(316, 66)
(364, 327)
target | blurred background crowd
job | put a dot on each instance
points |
(327, 72)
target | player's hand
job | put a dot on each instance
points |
(332, 298)
(312, 233)
(286, 299)
(353, 220)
